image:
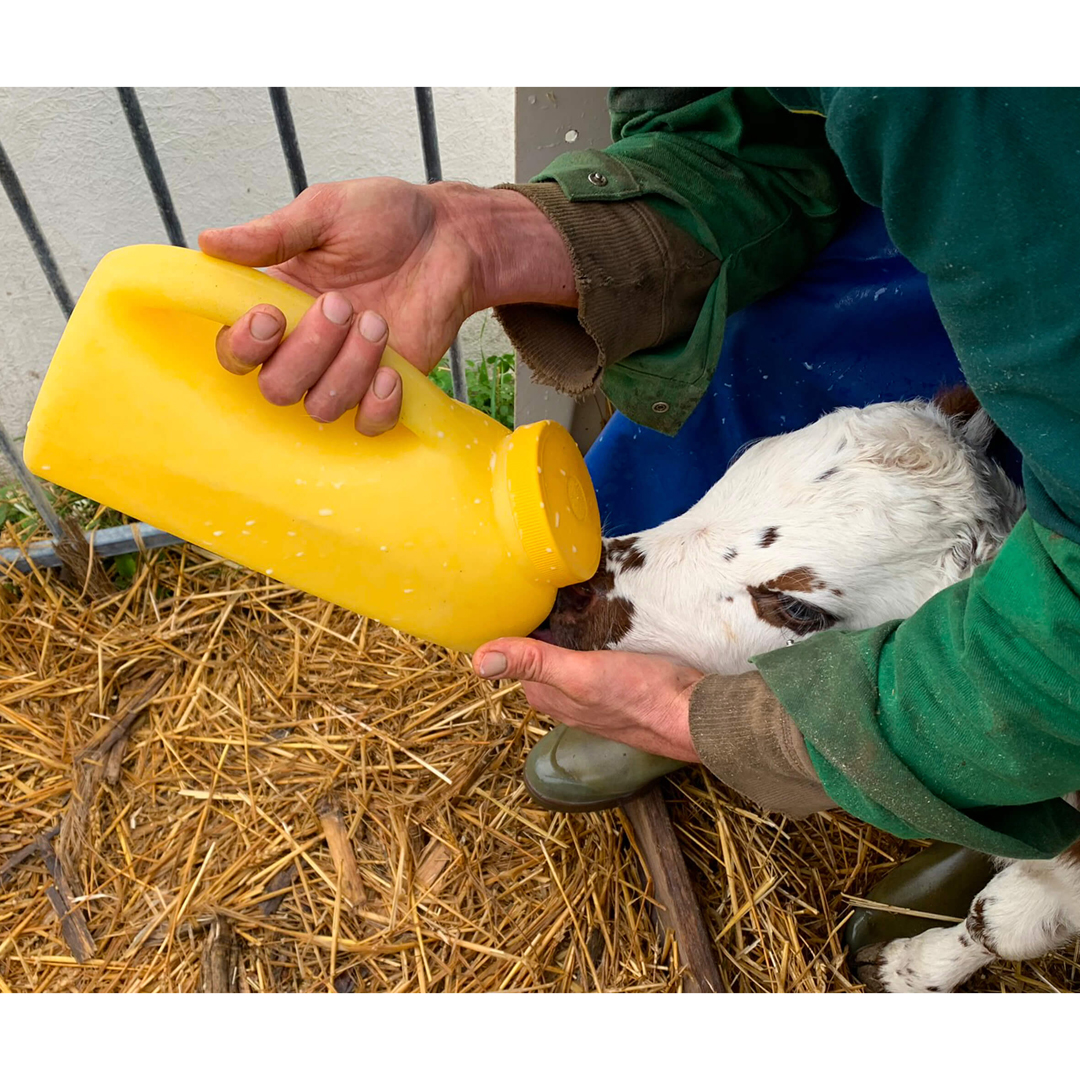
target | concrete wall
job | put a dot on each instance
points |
(550, 120)
(220, 152)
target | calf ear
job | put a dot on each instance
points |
(974, 546)
(959, 402)
(979, 431)
(971, 420)
(980, 541)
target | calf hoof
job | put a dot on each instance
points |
(574, 771)
(943, 879)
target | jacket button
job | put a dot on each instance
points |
(660, 406)
(597, 179)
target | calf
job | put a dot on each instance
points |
(850, 522)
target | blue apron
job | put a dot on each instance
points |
(857, 327)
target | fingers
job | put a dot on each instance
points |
(349, 376)
(381, 406)
(529, 660)
(250, 342)
(276, 237)
(302, 358)
(330, 361)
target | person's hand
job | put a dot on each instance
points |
(641, 701)
(419, 257)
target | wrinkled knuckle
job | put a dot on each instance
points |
(532, 663)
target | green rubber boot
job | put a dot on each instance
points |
(574, 771)
(943, 879)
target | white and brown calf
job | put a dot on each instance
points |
(850, 522)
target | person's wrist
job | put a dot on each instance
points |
(678, 733)
(517, 255)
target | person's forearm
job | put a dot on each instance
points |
(517, 255)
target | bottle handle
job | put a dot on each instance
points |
(159, 276)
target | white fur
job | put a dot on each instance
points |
(884, 506)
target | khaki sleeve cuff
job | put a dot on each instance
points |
(641, 281)
(746, 739)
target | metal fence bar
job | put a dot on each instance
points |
(279, 99)
(429, 142)
(151, 165)
(17, 198)
(429, 134)
(106, 543)
(31, 486)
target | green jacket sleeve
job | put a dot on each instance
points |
(755, 184)
(963, 721)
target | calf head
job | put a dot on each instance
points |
(852, 521)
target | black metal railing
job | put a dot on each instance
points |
(128, 538)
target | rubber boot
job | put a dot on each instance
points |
(573, 771)
(943, 879)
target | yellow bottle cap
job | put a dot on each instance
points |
(553, 503)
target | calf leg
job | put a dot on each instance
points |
(1027, 910)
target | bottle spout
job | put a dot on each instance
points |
(546, 501)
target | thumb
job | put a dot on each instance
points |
(526, 660)
(274, 238)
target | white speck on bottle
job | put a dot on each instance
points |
(541, 506)
(269, 570)
(46, 468)
(562, 472)
(548, 550)
(337, 485)
(219, 533)
(439, 435)
(407, 590)
(477, 501)
(445, 565)
(290, 534)
(325, 512)
(573, 549)
(539, 470)
(299, 554)
(245, 532)
(383, 548)
(300, 481)
(556, 519)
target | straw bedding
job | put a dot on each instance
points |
(227, 784)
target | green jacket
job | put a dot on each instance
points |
(963, 721)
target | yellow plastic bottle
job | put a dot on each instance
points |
(448, 527)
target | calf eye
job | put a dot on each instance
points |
(801, 617)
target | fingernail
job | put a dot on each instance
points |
(263, 326)
(385, 383)
(373, 326)
(336, 308)
(492, 665)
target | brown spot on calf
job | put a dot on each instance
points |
(627, 553)
(774, 606)
(801, 579)
(769, 537)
